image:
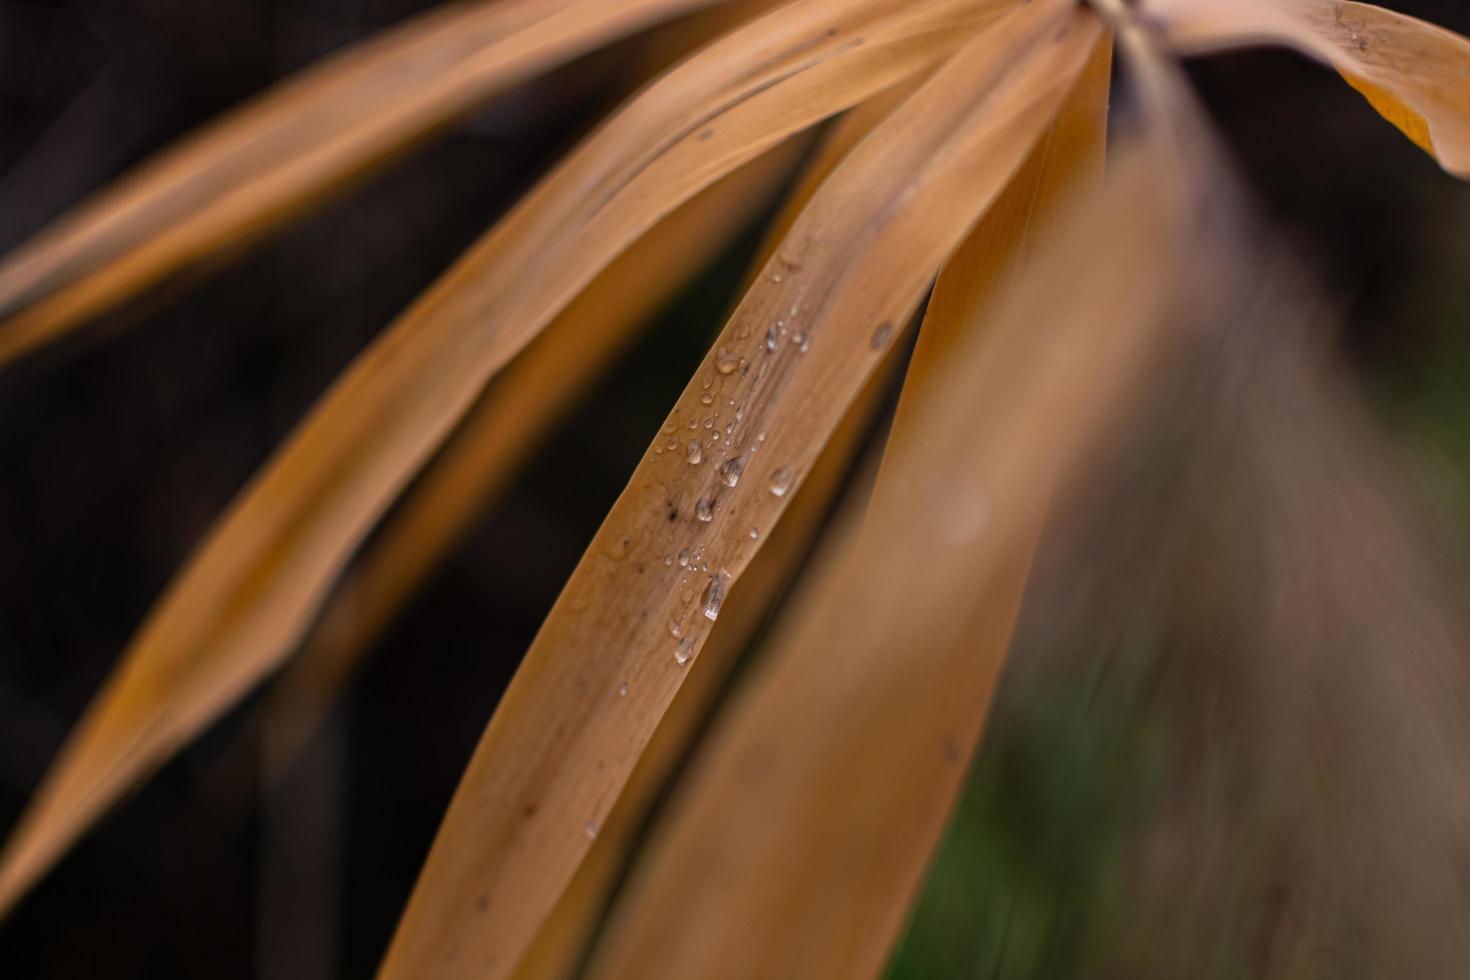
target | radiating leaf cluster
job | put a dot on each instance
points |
(970, 154)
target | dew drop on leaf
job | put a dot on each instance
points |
(713, 599)
(781, 481)
(725, 361)
(731, 470)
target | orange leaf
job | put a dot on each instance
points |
(798, 350)
(275, 156)
(248, 594)
(797, 821)
(1415, 74)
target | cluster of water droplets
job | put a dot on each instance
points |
(712, 440)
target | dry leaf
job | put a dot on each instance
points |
(247, 595)
(278, 154)
(1417, 75)
(797, 351)
(560, 943)
(527, 400)
(903, 632)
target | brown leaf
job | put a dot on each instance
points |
(797, 351)
(797, 821)
(280, 153)
(560, 943)
(247, 595)
(530, 398)
(1415, 74)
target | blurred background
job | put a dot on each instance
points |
(119, 447)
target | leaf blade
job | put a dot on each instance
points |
(253, 586)
(531, 397)
(1412, 72)
(559, 943)
(924, 584)
(562, 742)
(270, 158)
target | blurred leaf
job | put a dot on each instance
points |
(280, 153)
(1067, 162)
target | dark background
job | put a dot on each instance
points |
(119, 447)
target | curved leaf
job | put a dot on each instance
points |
(247, 595)
(530, 397)
(1415, 74)
(639, 606)
(276, 155)
(560, 943)
(881, 678)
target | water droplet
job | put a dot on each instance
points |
(707, 398)
(705, 509)
(684, 558)
(714, 597)
(802, 340)
(675, 628)
(684, 651)
(881, 335)
(773, 336)
(623, 689)
(669, 559)
(781, 481)
(696, 452)
(755, 533)
(725, 361)
(591, 828)
(731, 470)
(776, 278)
